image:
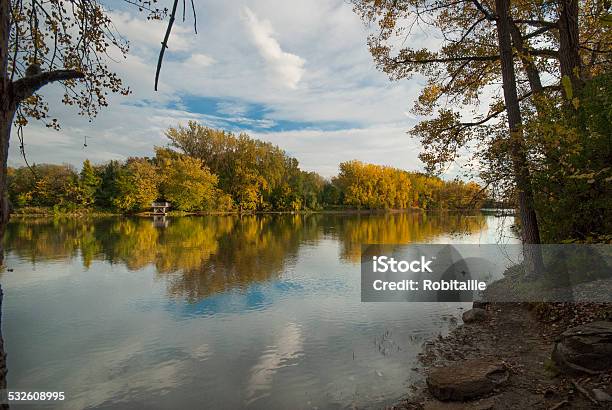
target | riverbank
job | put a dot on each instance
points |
(48, 212)
(515, 341)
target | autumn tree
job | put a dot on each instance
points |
(258, 175)
(187, 183)
(380, 187)
(490, 52)
(137, 185)
(47, 185)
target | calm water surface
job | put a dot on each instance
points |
(217, 312)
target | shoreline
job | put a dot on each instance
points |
(518, 338)
(100, 213)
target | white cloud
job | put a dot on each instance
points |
(146, 35)
(289, 67)
(232, 108)
(322, 151)
(200, 60)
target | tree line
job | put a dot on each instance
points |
(205, 170)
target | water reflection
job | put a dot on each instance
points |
(402, 228)
(201, 256)
(287, 347)
(256, 311)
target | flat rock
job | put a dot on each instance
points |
(584, 349)
(601, 395)
(465, 380)
(474, 315)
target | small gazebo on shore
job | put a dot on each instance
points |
(160, 208)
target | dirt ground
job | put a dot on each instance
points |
(523, 342)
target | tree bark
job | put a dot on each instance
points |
(6, 118)
(533, 74)
(27, 86)
(529, 229)
(6, 121)
(3, 368)
(569, 46)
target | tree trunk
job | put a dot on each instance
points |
(7, 113)
(6, 119)
(569, 46)
(530, 230)
(533, 74)
(3, 369)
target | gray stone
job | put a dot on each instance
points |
(584, 349)
(474, 315)
(601, 395)
(465, 380)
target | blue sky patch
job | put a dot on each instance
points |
(238, 115)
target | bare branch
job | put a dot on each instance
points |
(542, 52)
(165, 43)
(447, 60)
(493, 114)
(195, 17)
(536, 33)
(537, 23)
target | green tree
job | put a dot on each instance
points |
(571, 169)
(89, 182)
(108, 191)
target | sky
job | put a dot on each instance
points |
(295, 73)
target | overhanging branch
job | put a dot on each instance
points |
(537, 23)
(27, 86)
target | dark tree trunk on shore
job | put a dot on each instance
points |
(6, 120)
(3, 368)
(7, 113)
(569, 45)
(529, 223)
(533, 74)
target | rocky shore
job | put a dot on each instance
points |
(501, 358)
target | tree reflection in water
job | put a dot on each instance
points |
(201, 256)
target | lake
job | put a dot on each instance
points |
(218, 311)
